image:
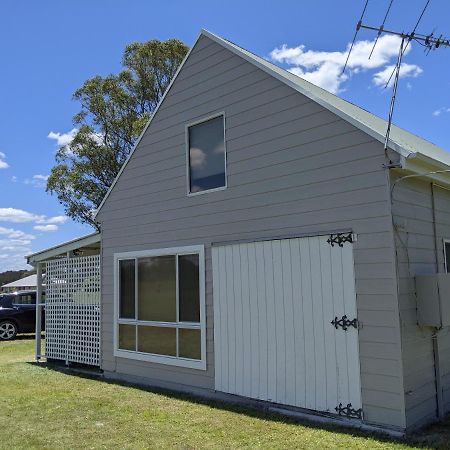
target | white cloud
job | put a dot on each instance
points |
(406, 70)
(14, 179)
(15, 234)
(18, 215)
(54, 220)
(14, 246)
(197, 157)
(439, 111)
(46, 228)
(37, 181)
(328, 76)
(325, 68)
(14, 259)
(15, 215)
(63, 138)
(3, 163)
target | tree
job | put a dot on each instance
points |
(114, 111)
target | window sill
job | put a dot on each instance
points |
(194, 194)
(161, 359)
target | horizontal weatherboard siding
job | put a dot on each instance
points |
(293, 169)
(416, 244)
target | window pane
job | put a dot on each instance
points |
(127, 337)
(159, 340)
(25, 299)
(447, 256)
(189, 292)
(127, 288)
(207, 155)
(189, 344)
(157, 289)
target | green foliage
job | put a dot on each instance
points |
(14, 275)
(114, 111)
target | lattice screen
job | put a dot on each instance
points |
(72, 310)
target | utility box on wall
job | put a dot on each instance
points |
(433, 299)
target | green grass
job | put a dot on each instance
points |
(46, 408)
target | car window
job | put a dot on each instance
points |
(5, 301)
(25, 299)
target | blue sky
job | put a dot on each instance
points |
(48, 48)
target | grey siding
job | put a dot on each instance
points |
(415, 244)
(293, 168)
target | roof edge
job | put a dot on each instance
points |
(91, 238)
(255, 60)
(358, 124)
(202, 32)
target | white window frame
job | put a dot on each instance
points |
(188, 171)
(150, 357)
(445, 241)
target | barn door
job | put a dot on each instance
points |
(285, 327)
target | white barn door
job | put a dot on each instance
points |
(274, 302)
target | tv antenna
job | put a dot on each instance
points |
(429, 42)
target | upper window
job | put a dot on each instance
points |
(206, 145)
(160, 306)
(447, 255)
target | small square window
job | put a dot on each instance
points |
(206, 145)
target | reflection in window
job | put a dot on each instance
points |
(157, 289)
(447, 256)
(166, 320)
(127, 288)
(189, 288)
(207, 155)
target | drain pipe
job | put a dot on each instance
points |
(435, 336)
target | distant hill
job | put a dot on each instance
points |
(13, 275)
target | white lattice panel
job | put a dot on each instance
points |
(72, 310)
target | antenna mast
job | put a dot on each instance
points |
(429, 42)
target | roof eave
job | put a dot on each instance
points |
(56, 250)
(423, 165)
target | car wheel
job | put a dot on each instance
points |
(8, 330)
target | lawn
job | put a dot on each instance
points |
(46, 408)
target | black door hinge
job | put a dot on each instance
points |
(340, 239)
(344, 323)
(348, 411)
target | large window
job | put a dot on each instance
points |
(160, 306)
(206, 155)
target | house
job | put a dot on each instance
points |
(24, 284)
(260, 243)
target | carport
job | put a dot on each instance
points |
(72, 301)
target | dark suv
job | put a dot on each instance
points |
(17, 314)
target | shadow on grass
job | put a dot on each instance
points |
(435, 437)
